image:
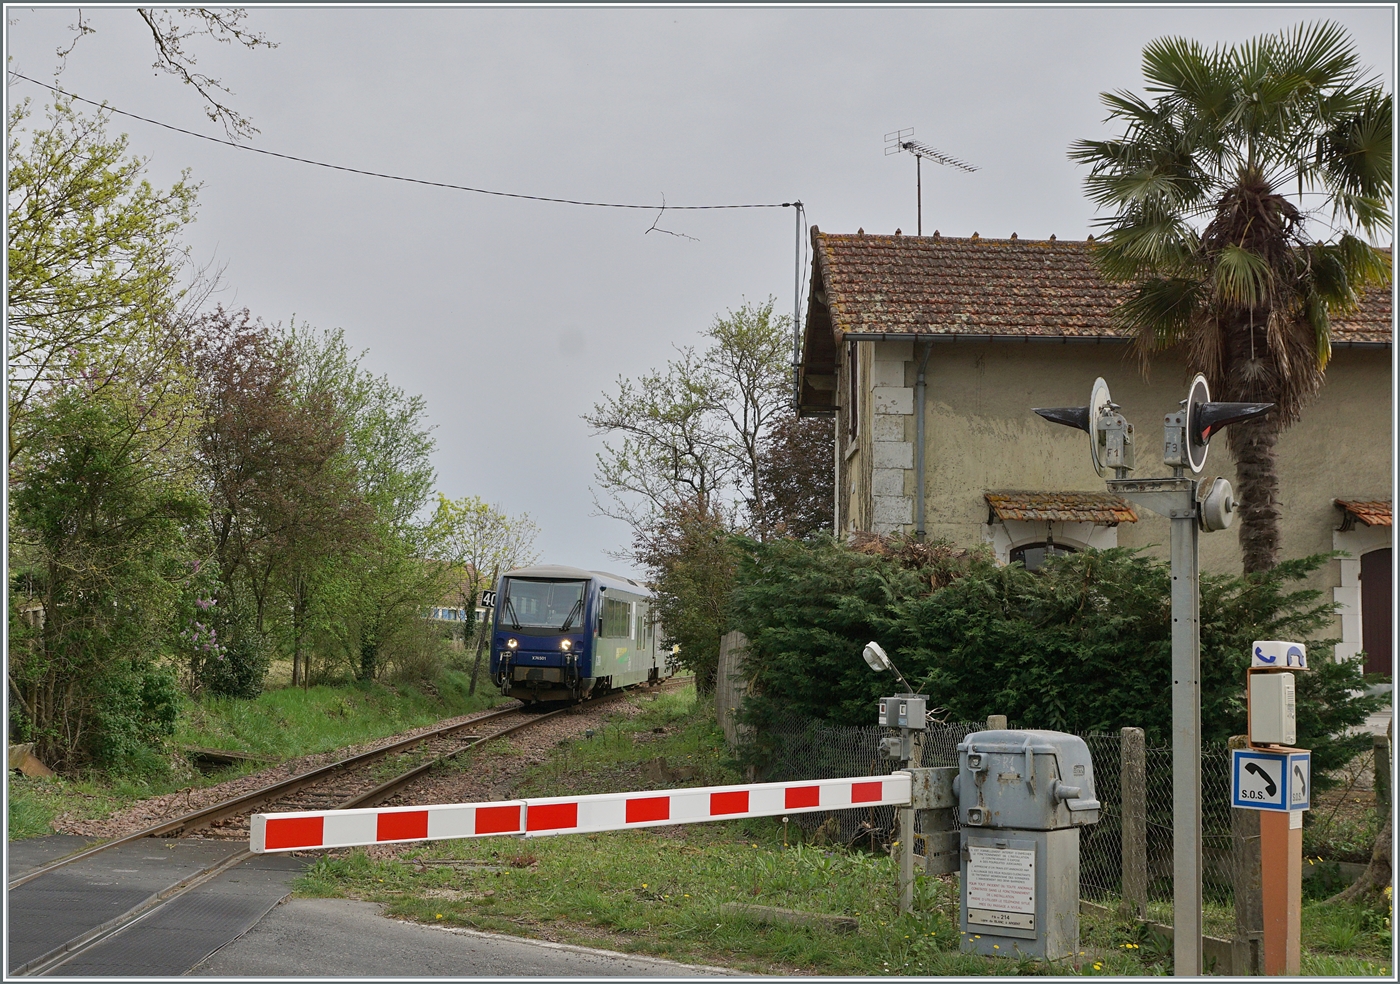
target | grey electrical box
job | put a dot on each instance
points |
(1273, 710)
(1032, 780)
(903, 711)
(1022, 795)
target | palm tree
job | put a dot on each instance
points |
(1220, 258)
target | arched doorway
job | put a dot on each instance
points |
(1376, 602)
(1033, 555)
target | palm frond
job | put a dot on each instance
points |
(1243, 278)
(1321, 52)
(1370, 215)
(1160, 312)
(1129, 106)
(1318, 317)
(1325, 277)
(1366, 266)
(1186, 74)
(1355, 155)
(1337, 273)
(1165, 247)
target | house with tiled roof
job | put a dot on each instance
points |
(930, 351)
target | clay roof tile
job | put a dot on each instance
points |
(1103, 508)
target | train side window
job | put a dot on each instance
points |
(616, 616)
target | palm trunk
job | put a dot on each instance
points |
(1256, 467)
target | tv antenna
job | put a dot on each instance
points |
(902, 140)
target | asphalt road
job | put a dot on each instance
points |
(343, 938)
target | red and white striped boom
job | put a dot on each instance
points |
(569, 814)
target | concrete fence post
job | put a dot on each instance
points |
(905, 818)
(730, 687)
(1133, 794)
(996, 722)
(1246, 878)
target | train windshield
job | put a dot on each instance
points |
(553, 605)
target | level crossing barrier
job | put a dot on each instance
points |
(313, 829)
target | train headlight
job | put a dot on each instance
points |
(566, 645)
(511, 643)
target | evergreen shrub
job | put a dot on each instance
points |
(1081, 645)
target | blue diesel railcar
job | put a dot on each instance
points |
(565, 634)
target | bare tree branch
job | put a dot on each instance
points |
(656, 228)
(171, 30)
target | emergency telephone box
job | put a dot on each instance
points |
(1273, 709)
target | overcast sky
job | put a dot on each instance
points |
(511, 318)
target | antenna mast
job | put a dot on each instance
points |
(901, 140)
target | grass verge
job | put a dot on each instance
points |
(662, 892)
(277, 725)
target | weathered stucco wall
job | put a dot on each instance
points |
(980, 434)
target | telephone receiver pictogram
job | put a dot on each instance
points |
(1302, 783)
(1270, 787)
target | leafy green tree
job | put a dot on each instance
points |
(709, 447)
(694, 433)
(95, 265)
(284, 497)
(796, 475)
(101, 418)
(99, 538)
(479, 543)
(1218, 257)
(691, 555)
(378, 577)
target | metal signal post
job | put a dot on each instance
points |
(1187, 435)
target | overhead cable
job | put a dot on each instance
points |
(391, 177)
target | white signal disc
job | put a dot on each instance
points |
(1196, 451)
(1098, 399)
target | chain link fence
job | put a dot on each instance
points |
(798, 748)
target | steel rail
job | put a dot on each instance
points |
(229, 807)
(387, 789)
(73, 948)
(66, 951)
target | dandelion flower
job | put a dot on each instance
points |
(439, 915)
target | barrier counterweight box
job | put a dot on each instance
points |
(1022, 797)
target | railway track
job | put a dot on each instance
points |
(365, 779)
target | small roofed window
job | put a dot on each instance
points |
(1033, 555)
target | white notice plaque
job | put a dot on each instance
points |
(1007, 920)
(1000, 880)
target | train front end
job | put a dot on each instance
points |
(541, 646)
